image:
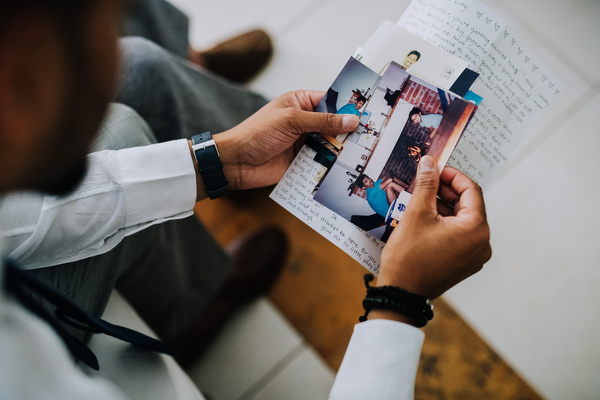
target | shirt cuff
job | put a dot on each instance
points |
(158, 180)
(380, 363)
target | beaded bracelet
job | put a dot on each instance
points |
(396, 299)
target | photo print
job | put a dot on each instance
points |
(371, 178)
(349, 93)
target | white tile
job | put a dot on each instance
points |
(536, 302)
(212, 21)
(139, 373)
(307, 377)
(248, 348)
(311, 56)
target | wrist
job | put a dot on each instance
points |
(228, 146)
(210, 175)
(391, 315)
(392, 302)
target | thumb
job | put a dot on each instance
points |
(426, 186)
(327, 123)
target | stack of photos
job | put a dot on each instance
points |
(416, 86)
(368, 176)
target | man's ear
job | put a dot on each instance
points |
(32, 84)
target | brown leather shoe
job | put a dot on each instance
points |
(259, 257)
(238, 59)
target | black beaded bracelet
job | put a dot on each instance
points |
(396, 299)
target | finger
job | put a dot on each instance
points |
(314, 98)
(426, 186)
(470, 196)
(326, 123)
(306, 100)
(447, 194)
(444, 209)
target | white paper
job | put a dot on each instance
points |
(515, 87)
(294, 193)
(392, 43)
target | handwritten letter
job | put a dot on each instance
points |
(514, 86)
(294, 193)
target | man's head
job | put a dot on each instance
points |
(364, 182)
(360, 102)
(58, 67)
(411, 58)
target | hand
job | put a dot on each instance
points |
(435, 246)
(258, 151)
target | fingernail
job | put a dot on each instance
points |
(349, 121)
(426, 164)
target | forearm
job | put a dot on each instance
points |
(123, 192)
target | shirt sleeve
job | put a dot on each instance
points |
(123, 192)
(380, 363)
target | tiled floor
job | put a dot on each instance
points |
(267, 357)
(535, 302)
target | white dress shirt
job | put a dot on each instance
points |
(34, 363)
(124, 192)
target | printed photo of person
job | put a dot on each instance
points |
(410, 58)
(419, 120)
(353, 108)
(348, 94)
(380, 193)
(354, 80)
(430, 121)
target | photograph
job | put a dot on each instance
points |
(350, 91)
(416, 56)
(348, 94)
(370, 179)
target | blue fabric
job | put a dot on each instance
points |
(377, 199)
(431, 120)
(348, 109)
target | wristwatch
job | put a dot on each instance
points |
(209, 165)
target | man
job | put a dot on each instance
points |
(410, 59)
(353, 108)
(57, 71)
(380, 193)
(155, 266)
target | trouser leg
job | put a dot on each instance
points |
(177, 98)
(160, 22)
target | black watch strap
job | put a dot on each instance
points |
(209, 165)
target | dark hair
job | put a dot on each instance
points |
(416, 53)
(361, 98)
(360, 181)
(415, 110)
